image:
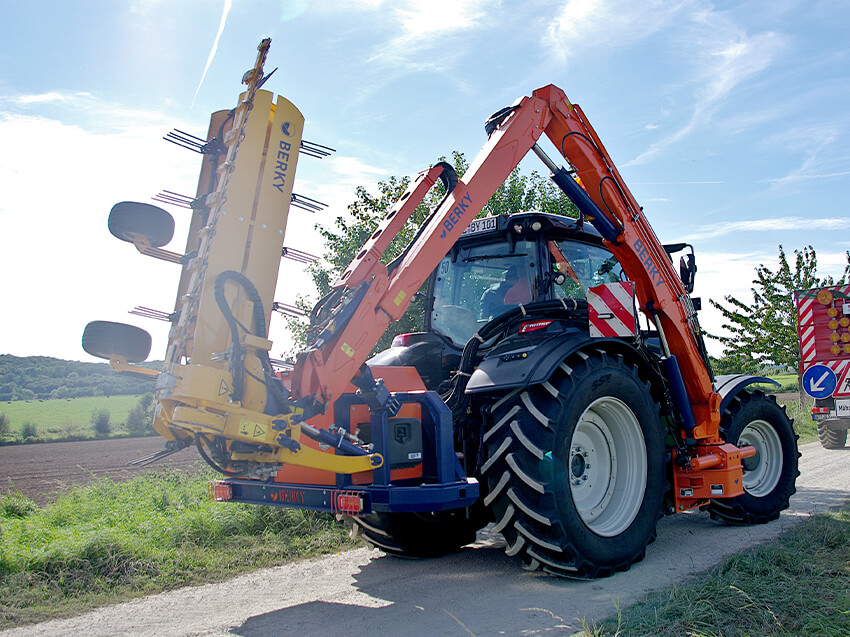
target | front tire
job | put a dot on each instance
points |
(754, 418)
(575, 468)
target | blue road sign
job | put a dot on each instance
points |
(819, 381)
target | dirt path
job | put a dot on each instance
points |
(479, 591)
(40, 471)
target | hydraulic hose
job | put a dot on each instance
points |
(277, 397)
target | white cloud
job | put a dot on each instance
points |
(588, 24)
(722, 55)
(428, 26)
(817, 146)
(767, 225)
(68, 269)
(725, 59)
(61, 266)
(41, 98)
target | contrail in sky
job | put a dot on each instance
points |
(225, 11)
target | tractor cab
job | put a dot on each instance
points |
(500, 263)
(506, 261)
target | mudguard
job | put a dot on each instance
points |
(522, 360)
(729, 385)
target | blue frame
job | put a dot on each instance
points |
(443, 486)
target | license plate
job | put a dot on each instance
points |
(481, 225)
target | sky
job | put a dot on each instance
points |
(729, 121)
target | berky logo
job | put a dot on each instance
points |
(401, 433)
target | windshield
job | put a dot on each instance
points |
(481, 283)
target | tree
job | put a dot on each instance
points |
(100, 420)
(763, 332)
(140, 418)
(342, 241)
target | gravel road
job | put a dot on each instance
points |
(479, 591)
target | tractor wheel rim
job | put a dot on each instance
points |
(607, 466)
(762, 471)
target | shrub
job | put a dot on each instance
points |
(4, 424)
(147, 402)
(100, 422)
(137, 420)
(140, 418)
(68, 428)
(28, 430)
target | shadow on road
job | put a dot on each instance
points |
(470, 592)
(480, 590)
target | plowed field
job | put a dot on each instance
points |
(41, 471)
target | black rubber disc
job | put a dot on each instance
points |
(105, 339)
(130, 219)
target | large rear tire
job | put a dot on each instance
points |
(831, 438)
(417, 535)
(575, 468)
(754, 418)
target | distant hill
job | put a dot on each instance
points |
(31, 377)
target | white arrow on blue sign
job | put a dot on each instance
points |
(819, 381)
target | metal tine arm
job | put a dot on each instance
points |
(287, 309)
(298, 255)
(312, 149)
(307, 203)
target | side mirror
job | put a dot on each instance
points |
(687, 263)
(688, 271)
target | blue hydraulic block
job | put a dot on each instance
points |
(443, 485)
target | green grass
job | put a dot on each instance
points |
(787, 383)
(801, 414)
(64, 418)
(796, 585)
(109, 542)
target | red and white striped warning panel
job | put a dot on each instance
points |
(823, 327)
(611, 309)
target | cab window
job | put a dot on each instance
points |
(582, 265)
(479, 284)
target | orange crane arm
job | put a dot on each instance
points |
(662, 295)
(370, 296)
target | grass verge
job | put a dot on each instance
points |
(804, 426)
(109, 542)
(796, 585)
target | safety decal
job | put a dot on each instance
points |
(252, 429)
(611, 309)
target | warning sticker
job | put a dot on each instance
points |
(252, 429)
(843, 387)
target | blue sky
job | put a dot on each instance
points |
(728, 120)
